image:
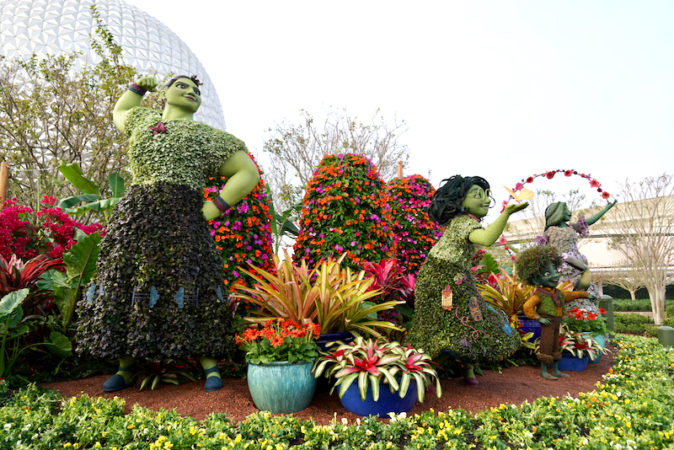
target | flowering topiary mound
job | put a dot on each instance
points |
(243, 234)
(345, 210)
(415, 232)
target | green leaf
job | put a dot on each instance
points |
(12, 301)
(59, 345)
(73, 173)
(116, 183)
(81, 259)
(70, 202)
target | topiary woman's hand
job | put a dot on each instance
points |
(148, 83)
(511, 209)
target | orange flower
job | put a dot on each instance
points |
(276, 341)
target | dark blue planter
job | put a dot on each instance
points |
(325, 341)
(530, 326)
(570, 363)
(281, 387)
(388, 401)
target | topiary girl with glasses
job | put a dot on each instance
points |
(158, 294)
(450, 316)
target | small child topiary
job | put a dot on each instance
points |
(414, 232)
(345, 210)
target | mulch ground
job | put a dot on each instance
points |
(514, 385)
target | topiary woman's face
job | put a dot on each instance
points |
(184, 94)
(477, 201)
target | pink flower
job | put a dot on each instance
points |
(594, 183)
(502, 240)
(518, 187)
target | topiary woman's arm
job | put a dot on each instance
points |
(243, 176)
(490, 234)
(130, 99)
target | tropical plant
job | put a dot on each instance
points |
(80, 264)
(168, 372)
(13, 329)
(509, 294)
(330, 295)
(280, 340)
(374, 360)
(390, 279)
(579, 344)
(90, 193)
(16, 274)
(345, 210)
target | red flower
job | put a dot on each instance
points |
(605, 195)
(594, 183)
(602, 310)
(159, 128)
(550, 174)
(568, 173)
(530, 180)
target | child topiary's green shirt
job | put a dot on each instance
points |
(186, 153)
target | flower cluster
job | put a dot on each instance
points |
(579, 320)
(550, 174)
(243, 233)
(345, 210)
(279, 340)
(50, 231)
(415, 233)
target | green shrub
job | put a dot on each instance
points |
(630, 408)
(631, 323)
(345, 210)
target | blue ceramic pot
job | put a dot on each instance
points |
(388, 401)
(281, 387)
(530, 326)
(325, 341)
(570, 363)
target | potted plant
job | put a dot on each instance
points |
(330, 295)
(280, 357)
(577, 349)
(376, 377)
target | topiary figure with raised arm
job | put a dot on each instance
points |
(158, 292)
(450, 316)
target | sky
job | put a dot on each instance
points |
(503, 89)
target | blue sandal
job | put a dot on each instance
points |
(117, 382)
(213, 383)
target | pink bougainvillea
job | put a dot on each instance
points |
(50, 231)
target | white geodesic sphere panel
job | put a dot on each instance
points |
(62, 26)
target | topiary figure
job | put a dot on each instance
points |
(414, 232)
(450, 315)
(345, 210)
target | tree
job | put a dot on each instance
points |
(296, 149)
(625, 278)
(644, 225)
(55, 109)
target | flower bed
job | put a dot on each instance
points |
(631, 407)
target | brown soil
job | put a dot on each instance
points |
(514, 385)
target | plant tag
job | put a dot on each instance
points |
(447, 298)
(474, 306)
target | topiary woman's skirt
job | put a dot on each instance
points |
(158, 292)
(478, 334)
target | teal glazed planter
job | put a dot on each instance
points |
(281, 387)
(601, 340)
(570, 363)
(388, 401)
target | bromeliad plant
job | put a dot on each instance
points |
(579, 344)
(280, 340)
(373, 360)
(509, 294)
(330, 295)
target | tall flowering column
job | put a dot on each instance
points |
(414, 232)
(345, 210)
(243, 234)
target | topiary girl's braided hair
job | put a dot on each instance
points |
(194, 79)
(447, 200)
(534, 260)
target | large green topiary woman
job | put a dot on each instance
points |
(450, 316)
(159, 294)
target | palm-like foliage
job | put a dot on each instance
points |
(509, 294)
(330, 295)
